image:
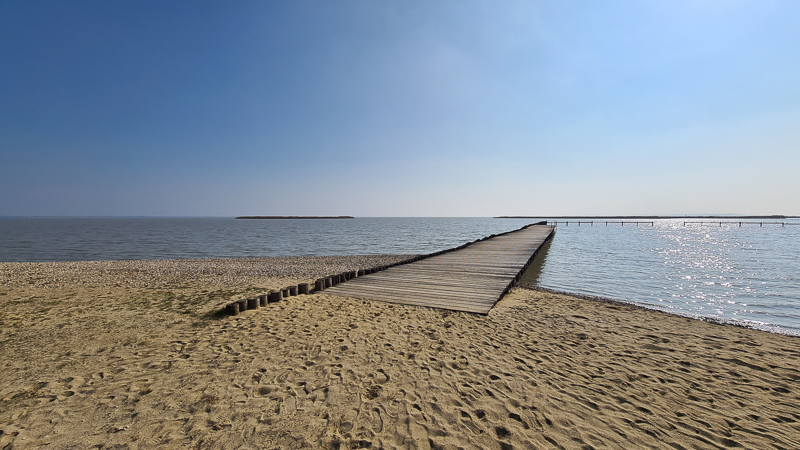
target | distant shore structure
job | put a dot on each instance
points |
(650, 220)
(295, 217)
(732, 217)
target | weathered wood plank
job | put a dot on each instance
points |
(420, 293)
(481, 308)
(464, 281)
(432, 287)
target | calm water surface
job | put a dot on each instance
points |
(87, 239)
(745, 275)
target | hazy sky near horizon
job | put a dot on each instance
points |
(399, 108)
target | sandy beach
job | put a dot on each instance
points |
(134, 354)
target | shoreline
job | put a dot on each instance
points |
(598, 298)
(130, 353)
(9, 276)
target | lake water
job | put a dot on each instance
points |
(746, 275)
(87, 239)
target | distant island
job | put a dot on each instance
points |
(295, 217)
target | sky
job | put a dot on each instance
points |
(399, 108)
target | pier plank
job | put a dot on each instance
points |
(471, 279)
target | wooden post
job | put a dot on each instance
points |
(252, 303)
(361, 272)
(319, 285)
(292, 290)
(328, 282)
(275, 296)
(262, 300)
(284, 292)
(302, 288)
(233, 308)
(242, 305)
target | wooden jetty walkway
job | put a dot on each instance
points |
(469, 278)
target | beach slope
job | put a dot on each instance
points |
(135, 354)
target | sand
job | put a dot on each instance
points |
(134, 355)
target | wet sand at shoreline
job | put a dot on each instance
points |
(134, 354)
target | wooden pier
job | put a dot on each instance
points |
(471, 278)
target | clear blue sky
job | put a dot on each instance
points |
(399, 108)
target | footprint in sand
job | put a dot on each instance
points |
(502, 432)
(372, 392)
(281, 377)
(517, 417)
(348, 421)
(381, 377)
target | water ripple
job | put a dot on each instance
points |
(744, 275)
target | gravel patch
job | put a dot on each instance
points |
(180, 272)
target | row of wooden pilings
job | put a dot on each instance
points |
(238, 306)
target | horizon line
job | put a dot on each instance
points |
(648, 216)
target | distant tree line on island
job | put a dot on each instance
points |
(295, 217)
